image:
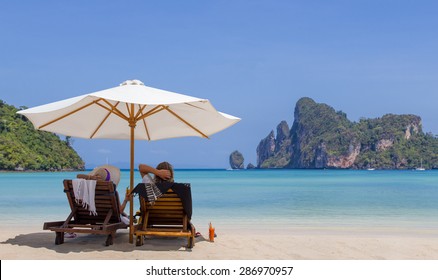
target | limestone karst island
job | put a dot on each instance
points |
(321, 137)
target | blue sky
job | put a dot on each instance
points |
(251, 59)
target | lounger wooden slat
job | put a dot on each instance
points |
(106, 222)
(164, 217)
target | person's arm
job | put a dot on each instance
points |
(162, 173)
(125, 201)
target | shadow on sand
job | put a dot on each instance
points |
(95, 243)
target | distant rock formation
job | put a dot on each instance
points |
(250, 166)
(321, 137)
(236, 160)
(266, 149)
(273, 152)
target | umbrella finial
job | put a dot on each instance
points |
(132, 83)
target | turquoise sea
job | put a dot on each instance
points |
(258, 198)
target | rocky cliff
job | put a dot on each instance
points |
(237, 160)
(273, 152)
(321, 137)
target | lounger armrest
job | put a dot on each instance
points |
(48, 225)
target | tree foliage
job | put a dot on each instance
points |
(24, 147)
(319, 124)
(410, 147)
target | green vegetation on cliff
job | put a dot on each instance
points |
(23, 147)
(396, 141)
(319, 126)
(321, 137)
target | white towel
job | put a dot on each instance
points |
(89, 194)
(152, 192)
(78, 189)
(124, 219)
(85, 191)
(147, 179)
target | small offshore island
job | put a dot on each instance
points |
(322, 138)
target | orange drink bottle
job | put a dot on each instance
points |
(127, 196)
(211, 233)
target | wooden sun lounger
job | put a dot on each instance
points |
(166, 217)
(107, 221)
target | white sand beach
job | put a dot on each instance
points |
(24, 243)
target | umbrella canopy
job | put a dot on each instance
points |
(156, 114)
(130, 111)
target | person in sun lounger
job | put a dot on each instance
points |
(163, 175)
(163, 172)
(108, 173)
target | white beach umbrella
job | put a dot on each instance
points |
(130, 111)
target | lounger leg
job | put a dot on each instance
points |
(59, 238)
(139, 240)
(190, 242)
(191, 239)
(109, 240)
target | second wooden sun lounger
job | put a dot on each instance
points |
(168, 216)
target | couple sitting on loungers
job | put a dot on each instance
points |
(165, 206)
(162, 173)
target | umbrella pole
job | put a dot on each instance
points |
(131, 186)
